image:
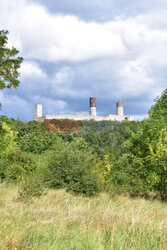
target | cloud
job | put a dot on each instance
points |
(15, 106)
(41, 35)
(50, 106)
(31, 70)
(69, 58)
(134, 78)
(103, 10)
(56, 37)
(63, 76)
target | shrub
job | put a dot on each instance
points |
(2, 169)
(38, 142)
(7, 144)
(73, 170)
(19, 164)
(7, 137)
(156, 162)
(31, 186)
(79, 143)
(127, 176)
(144, 166)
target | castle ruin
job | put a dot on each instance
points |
(92, 114)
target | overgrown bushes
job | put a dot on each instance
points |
(143, 166)
(31, 186)
(38, 142)
(19, 164)
(7, 137)
(130, 160)
(72, 169)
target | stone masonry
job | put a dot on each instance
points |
(92, 114)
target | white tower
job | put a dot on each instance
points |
(120, 108)
(92, 108)
(38, 111)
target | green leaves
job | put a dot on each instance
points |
(159, 110)
(7, 137)
(39, 142)
(150, 146)
(9, 63)
(143, 165)
(73, 169)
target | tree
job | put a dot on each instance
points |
(9, 63)
(159, 110)
(149, 146)
(143, 164)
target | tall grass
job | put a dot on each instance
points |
(61, 220)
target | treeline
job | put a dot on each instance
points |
(131, 159)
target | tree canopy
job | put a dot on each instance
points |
(9, 63)
(159, 109)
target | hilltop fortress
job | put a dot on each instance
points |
(119, 116)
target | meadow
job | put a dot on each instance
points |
(61, 220)
(84, 189)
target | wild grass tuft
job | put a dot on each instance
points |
(60, 220)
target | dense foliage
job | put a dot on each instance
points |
(74, 170)
(131, 159)
(143, 166)
(9, 63)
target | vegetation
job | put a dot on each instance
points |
(51, 181)
(60, 220)
(144, 162)
(129, 160)
(74, 170)
(9, 63)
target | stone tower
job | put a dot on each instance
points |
(38, 111)
(120, 109)
(92, 110)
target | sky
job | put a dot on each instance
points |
(114, 50)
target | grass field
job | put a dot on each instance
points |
(61, 220)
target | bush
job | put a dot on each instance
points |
(31, 186)
(7, 145)
(19, 164)
(38, 142)
(2, 169)
(127, 176)
(7, 137)
(73, 170)
(143, 166)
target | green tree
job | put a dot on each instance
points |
(9, 63)
(159, 109)
(143, 164)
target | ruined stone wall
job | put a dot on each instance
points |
(87, 117)
(92, 114)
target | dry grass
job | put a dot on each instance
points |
(61, 220)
